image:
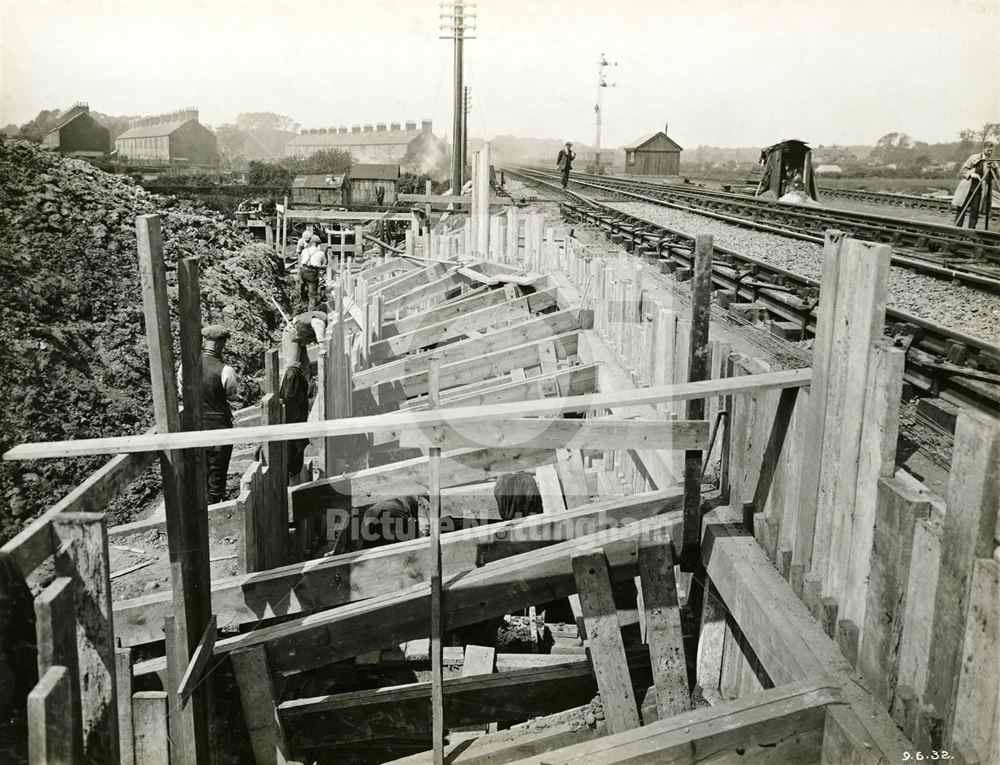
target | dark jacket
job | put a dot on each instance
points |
(565, 159)
(216, 410)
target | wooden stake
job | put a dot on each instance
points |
(437, 607)
(152, 744)
(701, 300)
(50, 708)
(55, 630)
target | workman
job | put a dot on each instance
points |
(219, 386)
(311, 262)
(977, 177)
(304, 329)
(517, 496)
(565, 162)
(304, 240)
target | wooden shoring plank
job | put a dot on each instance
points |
(491, 590)
(549, 489)
(437, 596)
(392, 288)
(775, 446)
(488, 370)
(381, 271)
(802, 550)
(82, 556)
(860, 323)
(843, 737)
(365, 216)
(325, 721)
(439, 289)
(877, 460)
(663, 626)
(458, 467)
(574, 381)
(50, 708)
(509, 312)
(55, 637)
(780, 725)
(783, 634)
(611, 399)
(340, 579)
(977, 708)
(970, 529)
(123, 682)
(918, 618)
(899, 506)
(711, 645)
(259, 701)
(563, 434)
(31, 546)
(475, 300)
(548, 327)
(273, 514)
(569, 466)
(607, 651)
(152, 741)
(201, 658)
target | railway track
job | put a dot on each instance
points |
(941, 361)
(931, 204)
(969, 256)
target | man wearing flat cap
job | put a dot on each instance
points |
(565, 162)
(219, 386)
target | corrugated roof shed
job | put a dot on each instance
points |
(154, 131)
(644, 139)
(375, 138)
(318, 181)
(375, 172)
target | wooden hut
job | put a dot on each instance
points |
(654, 154)
(325, 190)
(365, 180)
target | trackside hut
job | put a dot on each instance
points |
(654, 154)
(365, 180)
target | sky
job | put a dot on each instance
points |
(719, 72)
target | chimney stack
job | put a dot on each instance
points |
(666, 128)
(394, 127)
(355, 128)
(411, 125)
(369, 129)
(379, 127)
(342, 129)
(426, 126)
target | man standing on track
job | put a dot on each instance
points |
(565, 162)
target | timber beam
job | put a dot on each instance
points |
(340, 579)
(493, 590)
(405, 709)
(787, 640)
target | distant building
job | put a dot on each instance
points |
(79, 135)
(829, 170)
(365, 180)
(393, 143)
(174, 138)
(654, 154)
(327, 190)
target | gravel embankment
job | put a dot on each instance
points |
(952, 305)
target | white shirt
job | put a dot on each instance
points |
(313, 256)
(229, 382)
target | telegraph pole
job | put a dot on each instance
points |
(458, 17)
(601, 84)
(466, 108)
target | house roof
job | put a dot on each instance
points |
(318, 181)
(154, 131)
(375, 172)
(68, 120)
(644, 139)
(383, 138)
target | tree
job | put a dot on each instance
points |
(35, 130)
(262, 122)
(988, 131)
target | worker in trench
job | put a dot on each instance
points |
(303, 330)
(312, 262)
(219, 387)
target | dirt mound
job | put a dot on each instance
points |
(73, 354)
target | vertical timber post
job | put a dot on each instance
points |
(437, 606)
(698, 369)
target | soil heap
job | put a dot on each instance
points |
(73, 353)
